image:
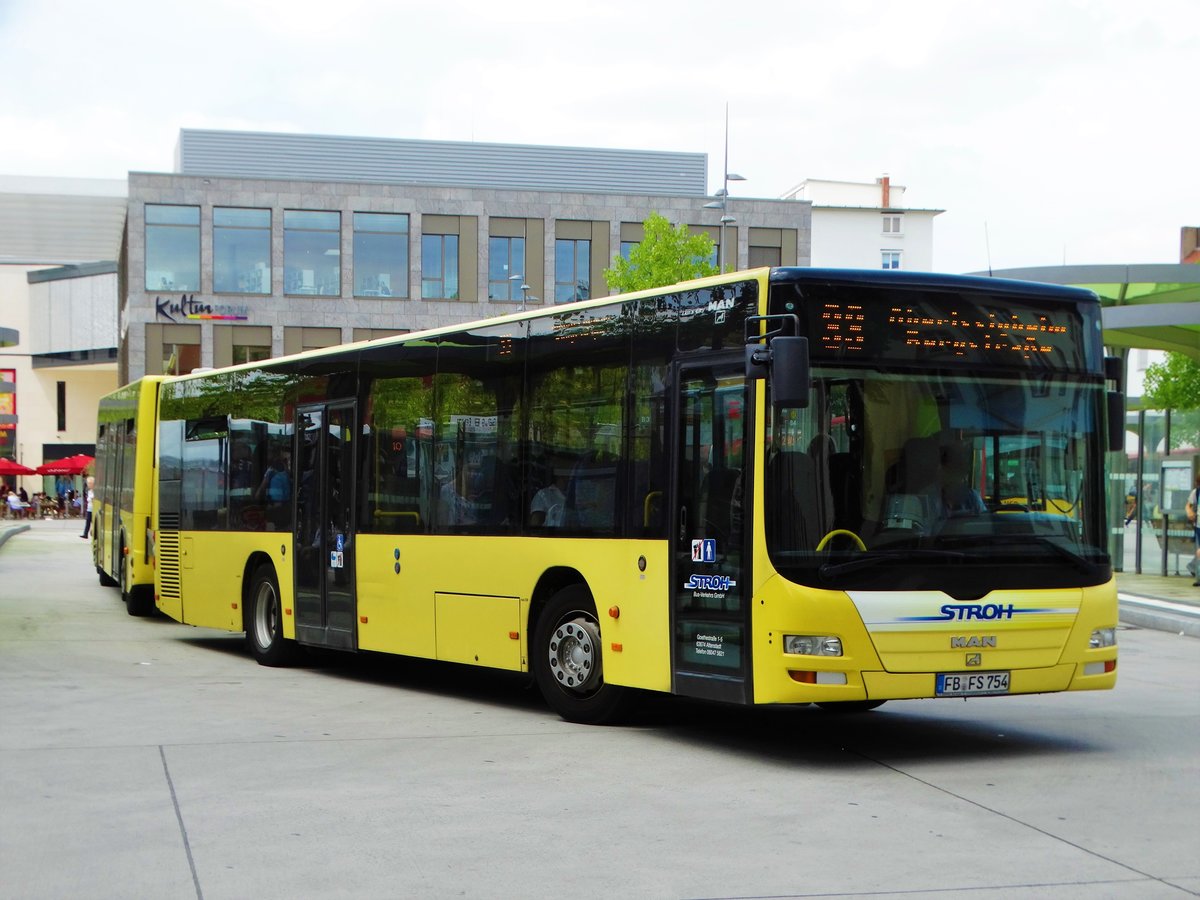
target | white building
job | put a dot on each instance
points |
(866, 226)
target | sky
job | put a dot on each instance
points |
(1050, 132)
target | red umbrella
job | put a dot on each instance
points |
(8, 467)
(71, 465)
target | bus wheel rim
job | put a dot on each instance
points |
(574, 660)
(266, 615)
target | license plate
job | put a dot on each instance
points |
(971, 684)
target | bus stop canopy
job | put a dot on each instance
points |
(1151, 307)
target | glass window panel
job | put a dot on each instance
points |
(179, 359)
(172, 248)
(235, 217)
(157, 214)
(571, 270)
(312, 253)
(394, 223)
(764, 256)
(248, 353)
(380, 255)
(506, 267)
(312, 220)
(439, 266)
(241, 250)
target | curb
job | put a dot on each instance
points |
(10, 532)
(1160, 615)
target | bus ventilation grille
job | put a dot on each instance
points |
(168, 564)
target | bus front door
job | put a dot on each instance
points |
(324, 525)
(709, 616)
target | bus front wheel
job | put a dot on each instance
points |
(567, 661)
(264, 626)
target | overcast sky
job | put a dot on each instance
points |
(1050, 131)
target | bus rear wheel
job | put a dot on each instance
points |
(264, 625)
(567, 661)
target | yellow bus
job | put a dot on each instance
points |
(122, 526)
(779, 486)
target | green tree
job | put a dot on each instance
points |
(1172, 384)
(666, 255)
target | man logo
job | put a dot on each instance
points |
(974, 659)
(975, 640)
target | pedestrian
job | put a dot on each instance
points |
(89, 497)
(1191, 517)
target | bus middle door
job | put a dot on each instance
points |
(324, 529)
(710, 644)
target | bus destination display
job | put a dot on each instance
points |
(956, 330)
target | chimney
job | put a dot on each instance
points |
(886, 183)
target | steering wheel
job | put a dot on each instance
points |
(840, 532)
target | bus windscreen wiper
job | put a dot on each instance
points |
(1080, 562)
(875, 557)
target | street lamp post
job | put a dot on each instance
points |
(722, 201)
(525, 298)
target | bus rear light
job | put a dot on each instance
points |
(1100, 668)
(1103, 637)
(812, 645)
(817, 677)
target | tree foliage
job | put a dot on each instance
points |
(666, 255)
(1172, 384)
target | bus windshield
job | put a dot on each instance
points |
(938, 480)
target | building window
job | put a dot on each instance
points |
(765, 256)
(241, 251)
(572, 267)
(172, 248)
(506, 267)
(312, 253)
(179, 359)
(439, 266)
(891, 259)
(627, 248)
(891, 224)
(380, 255)
(248, 353)
(62, 406)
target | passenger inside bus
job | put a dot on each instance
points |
(546, 508)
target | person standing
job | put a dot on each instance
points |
(1191, 517)
(89, 497)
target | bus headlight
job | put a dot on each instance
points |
(1103, 637)
(812, 644)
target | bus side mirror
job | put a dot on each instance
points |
(785, 361)
(1116, 420)
(1114, 375)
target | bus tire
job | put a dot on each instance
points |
(567, 661)
(851, 706)
(140, 600)
(264, 621)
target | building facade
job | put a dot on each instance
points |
(858, 225)
(59, 242)
(263, 244)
